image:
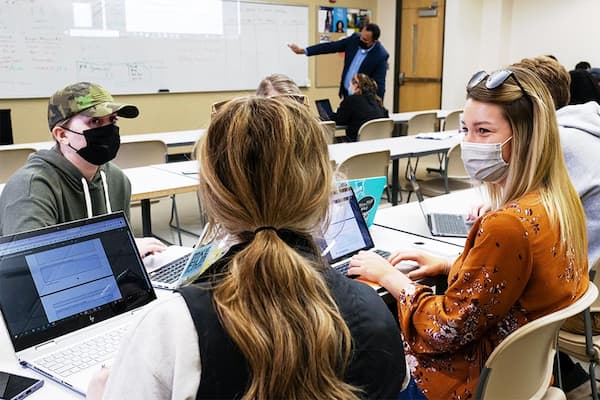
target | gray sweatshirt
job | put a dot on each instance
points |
(49, 190)
(580, 137)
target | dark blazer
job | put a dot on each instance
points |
(354, 111)
(374, 65)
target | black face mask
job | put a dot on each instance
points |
(363, 45)
(102, 144)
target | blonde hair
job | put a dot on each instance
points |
(264, 162)
(277, 84)
(536, 162)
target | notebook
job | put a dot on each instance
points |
(368, 192)
(347, 233)
(441, 224)
(324, 109)
(185, 268)
(68, 287)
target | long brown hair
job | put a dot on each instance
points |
(367, 87)
(264, 162)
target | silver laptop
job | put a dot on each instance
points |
(68, 293)
(185, 268)
(441, 224)
(347, 233)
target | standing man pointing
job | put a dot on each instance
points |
(364, 54)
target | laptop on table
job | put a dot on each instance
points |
(324, 109)
(347, 234)
(441, 224)
(68, 293)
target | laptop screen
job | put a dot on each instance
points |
(347, 233)
(324, 109)
(62, 278)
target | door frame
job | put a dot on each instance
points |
(398, 54)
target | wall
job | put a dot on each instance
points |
(170, 111)
(489, 34)
(386, 19)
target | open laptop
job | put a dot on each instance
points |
(71, 287)
(324, 109)
(347, 233)
(368, 192)
(185, 268)
(441, 224)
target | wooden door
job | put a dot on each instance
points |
(421, 50)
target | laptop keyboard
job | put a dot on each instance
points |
(94, 351)
(450, 223)
(345, 266)
(170, 273)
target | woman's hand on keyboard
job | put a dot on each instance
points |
(374, 268)
(97, 384)
(149, 245)
(476, 211)
(429, 265)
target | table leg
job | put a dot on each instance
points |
(146, 218)
(395, 181)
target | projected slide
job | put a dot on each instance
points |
(72, 279)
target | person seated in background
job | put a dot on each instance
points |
(75, 179)
(579, 127)
(524, 259)
(270, 319)
(583, 65)
(276, 84)
(583, 87)
(362, 105)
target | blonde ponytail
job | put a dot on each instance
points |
(264, 163)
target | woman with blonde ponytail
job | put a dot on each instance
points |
(524, 258)
(269, 320)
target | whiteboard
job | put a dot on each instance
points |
(43, 47)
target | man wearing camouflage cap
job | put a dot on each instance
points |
(75, 178)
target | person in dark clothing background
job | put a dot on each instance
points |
(361, 106)
(583, 87)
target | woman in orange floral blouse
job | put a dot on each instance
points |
(523, 259)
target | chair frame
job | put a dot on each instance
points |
(492, 379)
(568, 341)
(383, 126)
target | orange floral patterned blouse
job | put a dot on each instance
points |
(510, 272)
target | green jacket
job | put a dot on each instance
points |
(48, 190)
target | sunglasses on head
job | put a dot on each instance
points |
(300, 98)
(494, 80)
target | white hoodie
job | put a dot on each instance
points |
(580, 137)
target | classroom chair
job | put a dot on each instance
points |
(142, 154)
(452, 121)
(521, 366)
(453, 175)
(366, 165)
(379, 128)
(424, 122)
(11, 160)
(586, 346)
(329, 131)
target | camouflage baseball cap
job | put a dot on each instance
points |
(88, 99)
